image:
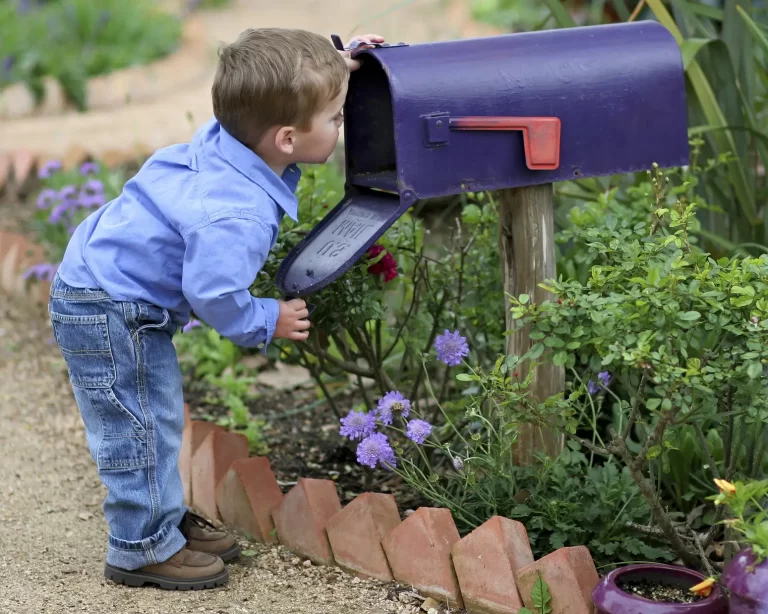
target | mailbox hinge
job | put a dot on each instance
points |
(541, 135)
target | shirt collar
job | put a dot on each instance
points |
(280, 189)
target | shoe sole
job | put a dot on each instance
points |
(229, 555)
(138, 578)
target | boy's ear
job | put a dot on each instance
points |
(285, 139)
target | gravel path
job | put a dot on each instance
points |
(52, 530)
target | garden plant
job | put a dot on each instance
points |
(662, 343)
(73, 40)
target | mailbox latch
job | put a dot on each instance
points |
(541, 135)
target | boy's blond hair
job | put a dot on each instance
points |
(275, 77)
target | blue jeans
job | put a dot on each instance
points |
(127, 383)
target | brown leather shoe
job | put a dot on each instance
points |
(202, 536)
(185, 570)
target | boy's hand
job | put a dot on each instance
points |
(292, 323)
(365, 38)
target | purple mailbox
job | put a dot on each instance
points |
(509, 111)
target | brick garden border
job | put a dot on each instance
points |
(489, 571)
(17, 254)
(184, 67)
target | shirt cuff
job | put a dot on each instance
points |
(272, 311)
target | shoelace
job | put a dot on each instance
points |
(198, 520)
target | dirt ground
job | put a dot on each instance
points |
(53, 534)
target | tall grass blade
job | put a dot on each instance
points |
(714, 115)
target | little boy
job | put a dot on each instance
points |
(189, 232)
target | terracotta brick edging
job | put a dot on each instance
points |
(17, 254)
(489, 571)
(182, 68)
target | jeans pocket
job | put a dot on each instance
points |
(122, 454)
(117, 435)
(84, 342)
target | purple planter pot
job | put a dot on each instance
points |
(747, 583)
(610, 599)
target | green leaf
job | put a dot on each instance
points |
(653, 276)
(653, 403)
(741, 301)
(754, 369)
(540, 596)
(756, 32)
(689, 316)
(524, 298)
(560, 13)
(536, 351)
(560, 359)
(743, 290)
(689, 48)
(654, 451)
(465, 377)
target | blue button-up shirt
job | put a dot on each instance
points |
(190, 231)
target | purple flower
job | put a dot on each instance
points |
(89, 168)
(391, 402)
(87, 201)
(603, 379)
(458, 464)
(57, 213)
(68, 192)
(24, 6)
(418, 431)
(451, 348)
(7, 64)
(48, 169)
(93, 186)
(375, 449)
(44, 271)
(358, 425)
(46, 198)
(92, 194)
(190, 325)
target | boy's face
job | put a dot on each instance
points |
(316, 145)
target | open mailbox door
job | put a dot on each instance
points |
(430, 120)
(334, 245)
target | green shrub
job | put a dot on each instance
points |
(685, 339)
(73, 40)
(377, 329)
